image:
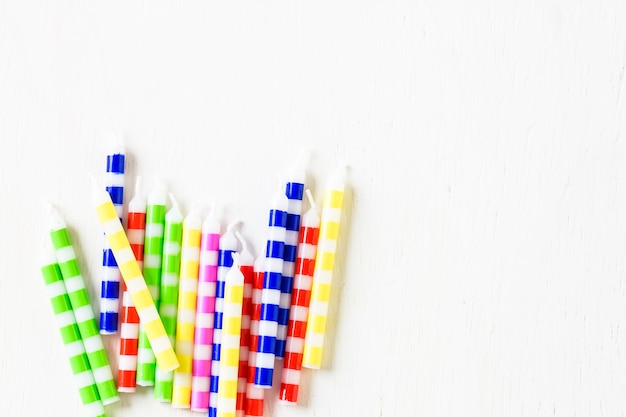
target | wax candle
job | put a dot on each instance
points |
(301, 295)
(205, 311)
(255, 396)
(231, 335)
(294, 192)
(168, 305)
(135, 282)
(268, 324)
(152, 252)
(110, 282)
(187, 297)
(246, 267)
(129, 328)
(70, 335)
(323, 273)
(228, 246)
(79, 299)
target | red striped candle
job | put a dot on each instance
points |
(255, 395)
(247, 269)
(301, 296)
(129, 330)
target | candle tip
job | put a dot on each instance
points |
(55, 219)
(244, 244)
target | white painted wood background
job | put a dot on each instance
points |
(482, 249)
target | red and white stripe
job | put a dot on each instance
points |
(255, 396)
(300, 298)
(129, 328)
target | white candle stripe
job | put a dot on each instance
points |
(83, 313)
(153, 230)
(65, 254)
(56, 288)
(129, 330)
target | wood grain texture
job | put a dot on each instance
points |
(482, 266)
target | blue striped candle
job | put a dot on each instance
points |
(294, 192)
(270, 295)
(228, 246)
(110, 282)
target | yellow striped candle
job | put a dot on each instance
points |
(323, 272)
(135, 282)
(231, 333)
(186, 320)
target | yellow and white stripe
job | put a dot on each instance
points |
(322, 275)
(231, 333)
(186, 320)
(135, 282)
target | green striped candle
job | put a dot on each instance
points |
(66, 322)
(81, 306)
(170, 275)
(152, 253)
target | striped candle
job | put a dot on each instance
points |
(172, 240)
(186, 321)
(152, 253)
(294, 192)
(305, 262)
(247, 269)
(205, 311)
(270, 298)
(79, 299)
(68, 328)
(228, 246)
(110, 282)
(135, 282)
(231, 335)
(323, 274)
(129, 328)
(255, 396)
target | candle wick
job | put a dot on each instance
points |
(232, 226)
(310, 198)
(244, 244)
(138, 185)
(174, 202)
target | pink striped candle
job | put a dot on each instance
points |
(247, 269)
(205, 310)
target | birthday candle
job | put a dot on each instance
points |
(66, 323)
(228, 246)
(268, 324)
(301, 295)
(110, 282)
(255, 395)
(172, 239)
(129, 328)
(231, 335)
(152, 251)
(294, 191)
(205, 311)
(79, 299)
(247, 269)
(185, 326)
(135, 282)
(323, 274)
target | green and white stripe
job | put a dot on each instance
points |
(170, 275)
(81, 306)
(152, 254)
(74, 348)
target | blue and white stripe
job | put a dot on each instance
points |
(294, 192)
(270, 295)
(110, 282)
(228, 246)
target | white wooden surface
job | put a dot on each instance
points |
(482, 249)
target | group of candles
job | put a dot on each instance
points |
(198, 318)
